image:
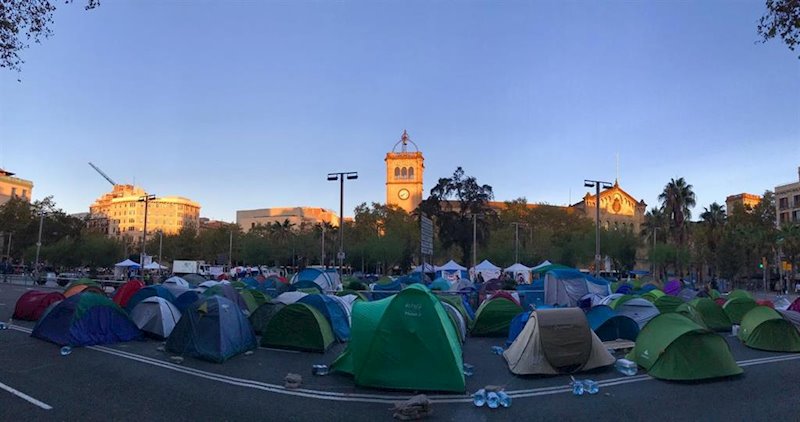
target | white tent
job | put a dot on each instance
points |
(154, 266)
(566, 288)
(127, 263)
(155, 315)
(520, 271)
(451, 266)
(208, 284)
(542, 265)
(176, 285)
(639, 310)
(487, 270)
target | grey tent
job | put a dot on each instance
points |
(156, 316)
(457, 319)
(687, 294)
(638, 309)
(556, 341)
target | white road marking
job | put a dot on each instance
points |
(379, 398)
(24, 396)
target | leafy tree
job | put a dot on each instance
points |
(782, 19)
(452, 203)
(22, 21)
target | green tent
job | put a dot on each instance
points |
(736, 308)
(653, 295)
(689, 311)
(714, 294)
(764, 328)
(238, 285)
(253, 298)
(713, 315)
(667, 303)
(493, 317)
(403, 342)
(456, 301)
(298, 327)
(739, 293)
(261, 316)
(673, 347)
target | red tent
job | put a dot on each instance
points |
(795, 306)
(126, 291)
(31, 305)
(720, 301)
(765, 302)
(505, 295)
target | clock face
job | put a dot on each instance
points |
(403, 194)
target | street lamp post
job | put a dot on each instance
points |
(597, 184)
(160, 247)
(39, 241)
(341, 176)
(146, 199)
(516, 240)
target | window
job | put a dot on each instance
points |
(784, 217)
(404, 173)
(25, 193)
(396, 172)
(411, 173)
(796, 201)
(783, 203)
(13, 192)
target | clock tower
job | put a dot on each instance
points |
(404, 171)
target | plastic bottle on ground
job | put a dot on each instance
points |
(65, 350)
(319, 369)
(626, 367)
(3, 326)
(493, 400)
(497, 350)
(468, 370)
(505, 400)
(479, 398)
(591, 387)
(577, 387)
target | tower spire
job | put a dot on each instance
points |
(404, 140)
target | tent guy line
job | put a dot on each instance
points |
(376, 398)
(25, 397)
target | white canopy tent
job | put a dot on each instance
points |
(519, 272)
(542, 265)
(127, 263)
(451, 266)
(429, 268)
(154, 266)
(487, 270)
(122, 269)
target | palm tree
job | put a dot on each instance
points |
(654, 221)
(676, 200)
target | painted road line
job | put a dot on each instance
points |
(26, 397)
(375, 398)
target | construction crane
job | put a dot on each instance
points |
(102, 174)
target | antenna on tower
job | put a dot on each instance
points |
(617, 179)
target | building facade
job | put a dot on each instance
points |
(787, 202)
(404, 173)
(618, 209)
(748, 201)
(121, 213)
(11, 187)
(249, 219)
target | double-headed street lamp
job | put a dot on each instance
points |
(146, 199)
(516, 239)
(597, 184)
(341, 176)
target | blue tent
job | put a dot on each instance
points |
(624, 288)
(384, 290)
(468, 307)
(144, 293)
(212, 329)
(517, 324)
(608, 325)
(333, 312)
(326, 280)
(250, 282)
(407, 280)
(186, 299)
(531, 294)
(85, 319)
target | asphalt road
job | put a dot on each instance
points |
(136, 381)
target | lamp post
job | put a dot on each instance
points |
(341, 176)
(146, 199)
(39, 241)
(516, 239)
(597, 184)
(160, 247)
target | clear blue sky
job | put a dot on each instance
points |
(247, 105)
